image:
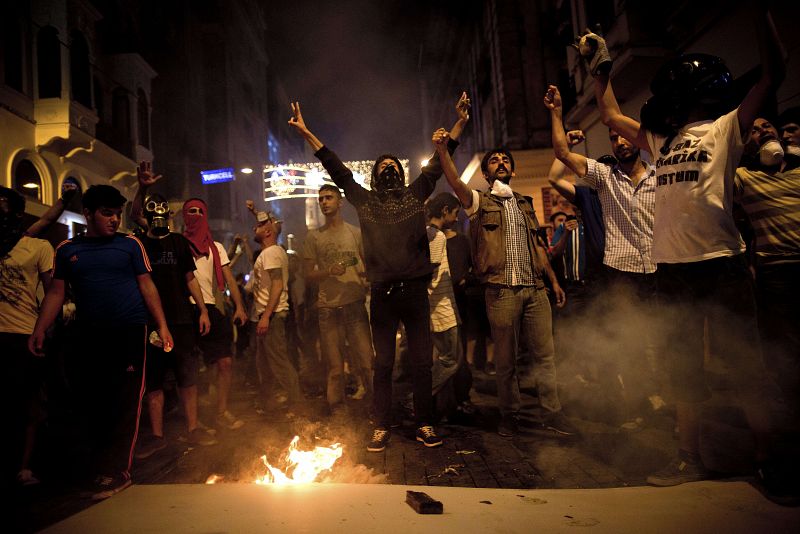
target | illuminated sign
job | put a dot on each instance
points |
(304, 180)
(218, 176)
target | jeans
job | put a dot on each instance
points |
(448, 356)
(778, 293)
(721, 291)
(390, 303)
(525, 308)
(273, 352)
(348, 323)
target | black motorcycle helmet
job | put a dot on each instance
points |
(680, 85)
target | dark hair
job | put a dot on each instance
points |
(790, 115)
(436, 205)
(102, 196)
(329, 187)
(607, 159)
(15, 201)
(385, 157)
(498, 150)
(556, 214)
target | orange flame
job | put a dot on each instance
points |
(304, 466)
(213, 479)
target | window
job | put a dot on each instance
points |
(80, 70)
(12, 53)
(27, 180)
(143, 118)
(48, 56)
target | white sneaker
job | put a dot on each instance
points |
(229, 421)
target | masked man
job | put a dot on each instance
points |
(173, 274)
(398, 265)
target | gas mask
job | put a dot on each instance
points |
(156, 210)
(771, 153)
(389, 179)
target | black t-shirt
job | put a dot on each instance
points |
(458, 256)
(171, 258)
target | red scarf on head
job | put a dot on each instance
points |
(199, 235)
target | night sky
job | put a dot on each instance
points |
(353, 65)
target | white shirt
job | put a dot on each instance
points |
(272, 257)
(440, 290)
(694, 192)
(204, 273)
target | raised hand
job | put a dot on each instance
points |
(462, 107)
(296, 121)
(552, 98)
(144, 173)
(593, 50)
(251, 206)
(440, 138)
(575, 137)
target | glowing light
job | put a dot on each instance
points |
(213, 479)
(424, 162)
(246, 170)
(302, 467)
(30, 185)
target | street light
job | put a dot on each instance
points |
(30, 185)
(246, 170)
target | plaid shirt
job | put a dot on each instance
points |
(628, 214)
(518, 257)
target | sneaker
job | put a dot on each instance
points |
(380, 437)
(778, 483)
(206, 428)
(507, 427)
(198, 436)
(360, 393)
(229, 421)
(427, 436)
(678, 472)
(149, 446)
(25, 478)
(559, 424)
(106, 486)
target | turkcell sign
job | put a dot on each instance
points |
(218, 176)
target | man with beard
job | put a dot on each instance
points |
(701, 266)
(767, 191)
(627, 196)
(109, 274)
(511, 259)
(398, 265)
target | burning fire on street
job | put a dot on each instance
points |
(299, 466)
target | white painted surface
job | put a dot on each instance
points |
(354, 508)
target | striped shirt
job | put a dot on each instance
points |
(772, 203)
(628, 215)
(573, 259)
(440, 291)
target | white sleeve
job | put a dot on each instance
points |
(596, 174)
(223, 255)
(476, 200)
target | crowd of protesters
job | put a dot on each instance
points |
(650, 229)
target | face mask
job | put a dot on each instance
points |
(389, 179)
(502, 190)
(156, 210)
(771, 153)
(792, 150)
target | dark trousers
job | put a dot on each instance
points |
(391, 303)
(107, 378)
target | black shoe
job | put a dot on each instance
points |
(778, 484)
(149, 446)
(679, 471)
(106, 486)
(427, 436)
(508, 426)
(559, 424)
(380, 437)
